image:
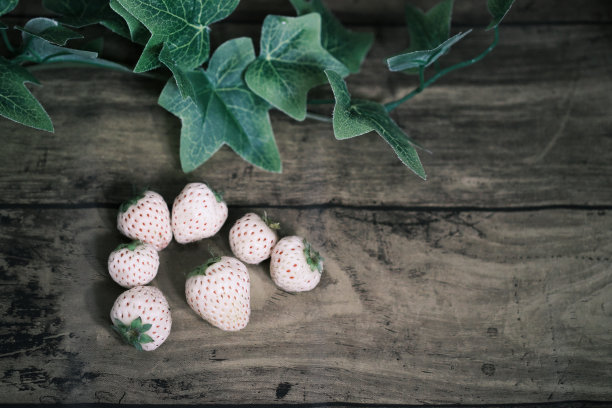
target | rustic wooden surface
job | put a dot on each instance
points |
(489, 283)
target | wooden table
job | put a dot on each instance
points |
(489, 283)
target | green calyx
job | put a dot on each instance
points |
(272, 224)
(313, 258)
(218, 195)
(126, 205)
(201, 270)
(134, 333)
(131, 246)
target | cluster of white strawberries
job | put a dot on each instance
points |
(219, 290)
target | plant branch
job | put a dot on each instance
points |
(7, 42)
(320, 118)
(96, 63)
(392, 105)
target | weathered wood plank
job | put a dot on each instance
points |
(527, 126)
(414, 307)
(387, 12)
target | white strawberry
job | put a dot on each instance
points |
(220, 292)
(133, 264)
(141, 316)
(197, 213)
(295, 266)
(252, 238)
(146, 218)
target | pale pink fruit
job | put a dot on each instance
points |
(197, 213)
(220, 292)
(141, 316)
(146, 218)
(133, 264)
(294, 265)
(252, 238)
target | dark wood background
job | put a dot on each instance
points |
(489, 283)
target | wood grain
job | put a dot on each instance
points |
(528, 126)
(385, 12)
(414, 307)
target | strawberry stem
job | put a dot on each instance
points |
(131, 246)
(201, 270)
(313, 258)
(134, 333)
(126, 205)
(218, 195)
(272, 224)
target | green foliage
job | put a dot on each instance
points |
(182, 27)
(356, 117)
(6, 6)
(138, 32)
(53, 33)
(290, 63)
(227, 101)
(82, 13)
(348, 47)
(428, 30)
(41, 50)
(222, 110)
(422, 59)
(498, 9)
(16, 102)
(133, 334)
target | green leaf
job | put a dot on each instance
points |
(223, 110)
(136, 323)
(56, 34)
(181, 26)
(16, 101)
(355, 117)
(138, 32)
(82, 13)
(428, 30)
(95, 45)
(417, 59)
(149, 59)
(41, 50)
(6, 6)
(291, 62)
(498, 9)
(145, 338)
(348, 47)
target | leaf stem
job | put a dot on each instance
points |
(392, 105)
(320, 118)
(93, 63)
(7, 42)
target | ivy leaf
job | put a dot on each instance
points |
(222, 110)
(138, 32)
(428, 30)
(355, 117)
(149, 59)
(39, 49)
(348, 47)
(291, 62)
(56, 34)
(498, 9)
(82, 13)
(6, 6)
(418, 59)
(181, 26)
(16, 101)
